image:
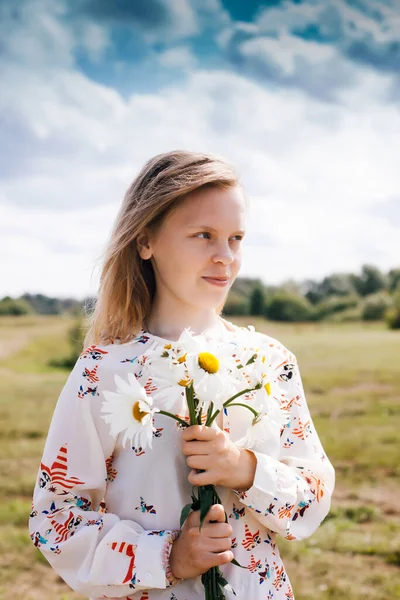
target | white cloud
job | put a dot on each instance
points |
(181, 56)
(286, 50)
(313, 172)
(316, 172)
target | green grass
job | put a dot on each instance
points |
(350, 375)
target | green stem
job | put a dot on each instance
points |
(167, 414)
(210, 414)
(239, 394)
(255, 413)
(199, 416)
(189, 399)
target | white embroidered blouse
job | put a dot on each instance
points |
(104, 515)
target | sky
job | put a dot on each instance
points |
(303, 96)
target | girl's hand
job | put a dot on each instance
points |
(211, 450)
(195, 551)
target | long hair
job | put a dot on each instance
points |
(127, 282)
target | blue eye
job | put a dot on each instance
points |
(204, 233)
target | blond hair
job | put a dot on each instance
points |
(127, 283)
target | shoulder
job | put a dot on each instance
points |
(106, 354)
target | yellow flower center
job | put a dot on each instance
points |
(208, 362)
(138, 414)
(267, 388)
(184, 382)
(168, 346)
(182, 359)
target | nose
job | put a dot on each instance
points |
(223, 254)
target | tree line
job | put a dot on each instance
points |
(368, 295)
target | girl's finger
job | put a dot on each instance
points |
(205, 478)
(198, 432)
(189, 448)
(198, 462)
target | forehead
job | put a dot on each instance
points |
(212, 206)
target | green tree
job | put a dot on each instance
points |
(371, 280)
(337, 284)
(392, 315)
(393, 279)
(257, 301)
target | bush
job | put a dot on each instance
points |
(9, 306)
(286, 306)
(392, 315)
(349, 315)
(336, 304)
(392, 318)
(375, 306)
(235, 306)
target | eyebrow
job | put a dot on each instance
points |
(212, 228)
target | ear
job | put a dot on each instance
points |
(143, 245)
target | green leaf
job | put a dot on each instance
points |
(185, 513)
(235, 562)
(251, 359)
(221, 580)
(206, 495)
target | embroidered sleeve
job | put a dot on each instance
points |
(96, 552)
(291, 495)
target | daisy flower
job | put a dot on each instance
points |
(195, 360)
(212, 370)
(131, 410)
(258, 372)
(264, 426)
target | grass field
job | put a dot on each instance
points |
(351, 375)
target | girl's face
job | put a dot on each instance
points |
(199, 240)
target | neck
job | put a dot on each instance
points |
(169, 323)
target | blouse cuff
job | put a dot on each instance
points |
(151, 566)
(166, 551)
(269, 482)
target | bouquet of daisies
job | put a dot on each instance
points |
(208, 372)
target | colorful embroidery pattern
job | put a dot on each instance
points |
(93, 352)
(55, 478)
(67, 528)
(91, 391)
(237, 512)
(111, 472)
(129, 551)
(145, 508)
(251, 540)
(91, 374)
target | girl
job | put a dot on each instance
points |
(106, 516)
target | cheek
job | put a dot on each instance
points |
(237, 262)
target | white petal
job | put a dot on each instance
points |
(123, 386)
